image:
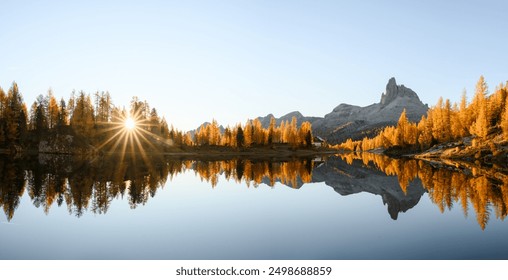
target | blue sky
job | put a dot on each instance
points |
(234, 60)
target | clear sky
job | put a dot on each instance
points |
(234, 60)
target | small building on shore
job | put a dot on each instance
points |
(318, 141)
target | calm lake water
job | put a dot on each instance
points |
(343, 207)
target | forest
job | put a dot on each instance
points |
(484, 120)
(92, 122)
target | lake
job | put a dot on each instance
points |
(349, 206)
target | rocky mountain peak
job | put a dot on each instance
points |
(393, 91)
(296, 114)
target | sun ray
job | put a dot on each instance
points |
(129, 136)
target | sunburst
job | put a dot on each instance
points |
(129, 133)
(130, 123)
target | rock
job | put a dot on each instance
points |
(393, 91)
(60, 144)
(349, 121)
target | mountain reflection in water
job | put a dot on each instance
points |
(92, 186)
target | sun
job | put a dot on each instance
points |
(130, 123)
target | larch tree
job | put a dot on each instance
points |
(52, 110)
(481, 91)
(456, 124)
(402, 128)
(71, 104)
(63, 116)
(435, 114)
(3, 103)
(247, 134)
(39, 116)
(447, 112)
(15, 115)
(425, 133)
(258, 132)
(464, 118)
(305, 135)
(240, 139)
(271, 131)
(292, 133)
(82, 120)
(481, 124)
(504, 121)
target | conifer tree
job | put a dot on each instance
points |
(504, 121)
(63, 117)
(481, 123)
(15, 116)
(82, 120)
(271, 131)
(52, 110)
(240, 139)
(464, 118)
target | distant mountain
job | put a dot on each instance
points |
(265, 121)
(349, 121)
(192, 132)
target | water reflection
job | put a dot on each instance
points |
(92, 186)
(448, 183)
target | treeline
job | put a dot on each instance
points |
(252, 133)
(485, 116)
(486, 193)
(96, 121)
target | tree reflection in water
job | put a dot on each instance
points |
(92, 186)
(448, 183)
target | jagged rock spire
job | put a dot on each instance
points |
(393, 91)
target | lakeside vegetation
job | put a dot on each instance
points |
(474, 131)
(91, 124)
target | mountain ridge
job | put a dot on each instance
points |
(352, 121)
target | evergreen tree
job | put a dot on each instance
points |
(240, 139)
(464, 118)
(271, 131)
(504, 121)
(52, 110)
(15, 116)
(63, 117)
(82, 120)
(480, 125)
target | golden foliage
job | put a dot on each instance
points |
(444, 122)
